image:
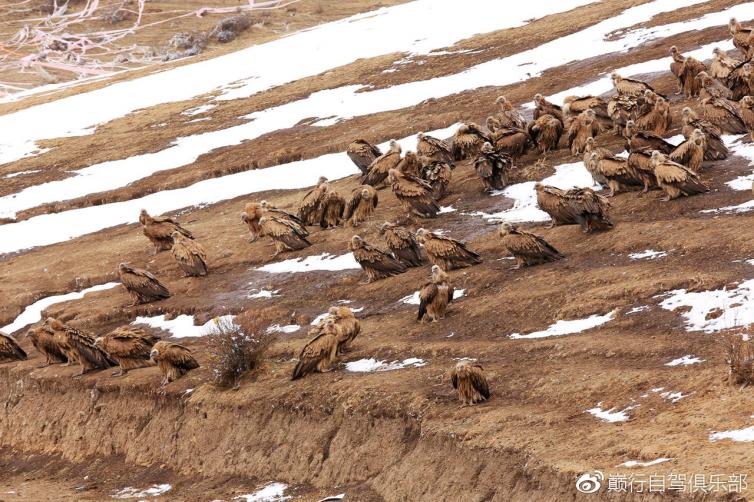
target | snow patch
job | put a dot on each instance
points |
(714, 310)
(262, 293)
(636, 310)
(561, 327)
(324, 261)
(414, 298)
(649, 254)
(611, 415)
(132, 493)
(639, 463)
(372, 365)
(274, 492)
(290, 328)
(183, 325)
(685, 361)
(741, 435)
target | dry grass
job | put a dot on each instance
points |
(740, 359)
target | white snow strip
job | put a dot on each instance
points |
(414, 298)
(730, 307)
(132, 493)
(33, 313)
(745, 150)
(22, 173)
(372, 365)
(447, 209)
(649, 254)
(274, 492)
(639, 463)
(685, 361)
(611, 415)
(673, 396)
(323, 315)
(741, 435)
(561, 327)
(183, 325)
(198, 110)
(289, 328)
(262, 293)
(324, 261)
(334, 497)
(636, 310)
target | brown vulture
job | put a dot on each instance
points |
(468, 140)
(690, 153)
(190, 256)
(581, 128)
(44, 341)
(160, 230)
(643, 140)
(508, 116)
(347, 327)
(715, 146)
(577, 206)
(402, 244)
(589, 148)
(746, 109)
(286, 235)
(675, 179)
(741, 81)
(319, 354)
(658, 121)
(333, 205)
(470, 382)
(686, 69)
(174, 360)
(142, 285)
(362, 153)
(617, 172)
(435, 296)
(445, 252)
(87, 353)
(362, 204)
(492, 168)
(544, 107)
(528, 248)
(545, 132)
(722, 65)
(631, 87)
(310, 209)
(378, 170)
(414, 194)
(575, 105)
(128, 346)
(376, 263)
(742, 37)
(723, 114)
(438, 174)
(410, 164)
(514, 142)
(712, 87)
(640, 165)
(10, 350)
(434, 149)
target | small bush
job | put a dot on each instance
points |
(740, 359)
(237, 348)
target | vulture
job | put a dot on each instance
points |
(690, 153)
(544, 107)
(435, 296)
(724, 115)
(142, 285)
(642, 140)
(470, 382)
(414, 194)
(715, 146)
(174, 360)
(410, 164)
(675, 179)
(722, 65)
(742, 37)
(254, 211)
(280, 213)
(623, 108)
(545, 132)
(319, 353)
(10, 350)
(508, 116)
(640, 166)
(446, 253)
(528, 248)
(86, 351)
(658, 120)
(492, 168)
(582, 206)
(362, 153)
(513, 142)
(287, 235)
(333, 205)
(129, 347)
(493, 125)
(712, 87)
(686, 69)
(582, 127)
(347, 327)
(160, 230)
(617, 172)
(631, 87)
(402, 244)
(575, 105)
(590, 166)
(378, 170)
(361, 205)
(746, 106)
(438, 174)
(310, 209)
(190, 256)
(44, 341)
(376, 263)
(434, 149)
(468, 140)
(741, 81)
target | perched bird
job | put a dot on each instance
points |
(435, 296)
(629, 86)
(582, 127)
(675, 179)
(528, 248)
(333, 205)
(190, 256)
(362, 153)
(468, 141)
(268, 208)
(286, 235)
(59, 339)
(741, 81)
(622, 108)
(10, 350)
(575, 105)
(44, 342)
(378, 170)
(174, 360)
(508, 116)
(414, 194)
(142, 285)
(310, 209)
(724, 115)
(89, 356)
(493, 125)
(410, 164)
(642, 140)
(319, 354)
(376, 263)
(434, 149)
(591, 166)
(545, 132)
(513, 142)
(712, 87)
(722, 65)
(128, 346)
(686, 69)
(362, 204)
(616, 171)
(402, 244)
(640, 165)
(438, 174)
(470, 382)
(492, 168)
(658, 120)
(742, 37)
(746, 110)
(250, 217)
(690, 153)
(346, 326)
(446, 253)
(160, 230)
(544, 107)
(578, 206)
(715, 148)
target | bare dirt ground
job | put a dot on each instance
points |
(398, 435)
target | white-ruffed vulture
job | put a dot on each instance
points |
(527, 248)
(414, 194)
(438, 174)
(333, 207)
(577, 206)
(310, 209)
(469, 380)
(142, 285)
(545, 132)
(544, 107)
(676, 180)
(508, 116)
(376, 263)
(637, 139)
(190, 256)
(362, 153)
(690, 153)
(347, 327)
(446, 253)
(44, 341)
(128, 346)
(174, 360)
(658, 121)
(10, 350)
(433, 148)
(319, 354)
(492, 168)
(468, 141)
(286, 235)
(715, 146)
(378, 170)
(160, 230)
(362, 204)
(402, 244)
(723, 114)
(435, 296)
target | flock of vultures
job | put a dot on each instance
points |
(419, 180)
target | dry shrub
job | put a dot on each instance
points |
(740, 359)
(238, 347)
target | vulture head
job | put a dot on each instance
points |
(538, 99)
(154, 354)
(717, 51)
(615, 77)
(51, 324)
(589, 143)
(365, 194)
(98, 341)
(487, 147)
(357, 242)
(385, 226)
(657, 157)
(393, 175)
(394, 146)
(746, 69)
(630, 128)
(747, 102)
(697, 136)
(504, 103)
(507, 228)
(438, 274)
(144, 217)
(321, 180)
(674, 50)
(244, 217)
(264, 204)
(463, 129)
(177, 236)
(420, 136)
(123, 268)
(421, 235)
(733, 25)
